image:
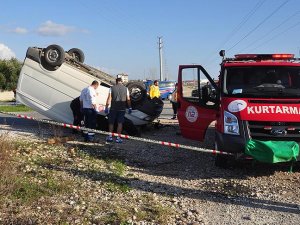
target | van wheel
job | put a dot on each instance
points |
(137, 91)
(54, 55)
(77, 54)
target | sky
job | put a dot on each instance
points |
(121, 36)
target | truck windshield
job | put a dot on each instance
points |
(260, 82)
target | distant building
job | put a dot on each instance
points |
(124, 77)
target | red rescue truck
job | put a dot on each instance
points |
(257, 97)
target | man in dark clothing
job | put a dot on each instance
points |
(118, 99)
(77, 112)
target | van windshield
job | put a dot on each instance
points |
(270, 81)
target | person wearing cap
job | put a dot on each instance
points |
(154, 90)
(118, 99)
(88, 102)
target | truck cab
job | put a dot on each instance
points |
(257, 97)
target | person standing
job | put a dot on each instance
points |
(174, 102)
(88, 102)
(76, 108)
(154, 90)
(118, 99)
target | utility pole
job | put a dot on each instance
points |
(160, 58)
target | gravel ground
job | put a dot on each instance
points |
(186, 182)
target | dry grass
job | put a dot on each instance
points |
(7, 166)
(38, 181)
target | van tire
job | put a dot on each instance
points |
(137, 91)
(77, 54)
(54, 55)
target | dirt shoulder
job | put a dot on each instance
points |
(138, 183)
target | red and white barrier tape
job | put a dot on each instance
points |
(170, 144)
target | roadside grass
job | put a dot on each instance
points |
(118, 167)
(15, 184)
(27, 191)
(49, 161)
(8, 171)
(15, 108)
(35, 173)
(152, 210)
(115, 186)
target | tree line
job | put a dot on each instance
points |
(9, 73)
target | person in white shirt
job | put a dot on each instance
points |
(88, 104)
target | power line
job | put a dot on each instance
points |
(237, 28)
(244, 20)
(259, 24)
(271, 31)
(279, 34)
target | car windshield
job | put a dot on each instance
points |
(267, 81)
(166, 84)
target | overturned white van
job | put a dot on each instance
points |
(51, 78)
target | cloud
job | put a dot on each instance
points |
(50, 28)
(6, 52)
(19, 30)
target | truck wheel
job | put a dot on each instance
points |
(54, 55)
(137, 91)
(77, 54)
(221, 161)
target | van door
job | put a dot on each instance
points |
(198, 101)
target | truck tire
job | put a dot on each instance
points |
(77, 54)
(221, 161)
(54, 55)
(137, 91)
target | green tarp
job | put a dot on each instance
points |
(272, 151)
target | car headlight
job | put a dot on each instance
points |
(231, 124)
